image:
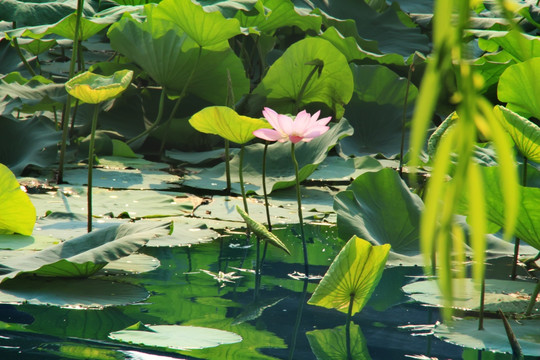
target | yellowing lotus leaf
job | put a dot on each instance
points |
(93, 88)
(17, 213)
(225, 122)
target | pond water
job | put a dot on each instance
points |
(271, 321)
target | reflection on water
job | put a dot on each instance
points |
(223, 296)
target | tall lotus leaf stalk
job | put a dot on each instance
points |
(67, 107)
(403, 120)
(95, 89)
(304, 127)
(21, 56)
(516, 243)
(156, 122)
(180, 97)
(266, 204)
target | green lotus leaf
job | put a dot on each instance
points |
(36, 46)
(206, 28)
(519, 86)
(525, 133)
(169, 56)
(176, 337)
(225, 122)
(507, 295)
(351, 49)
(41, 12)
(352, 276)
(376, 111)
(332, 344)
(94, 89)
(35, 95)
(65, 28)
(274, 14)
(17, 214)
(379, 207)
(493, 337)
(29, 142)
(261, 231)
(331, 84)
(70, 293)
(84, 255)
(520, 46)
(528, 221)
(391, 31)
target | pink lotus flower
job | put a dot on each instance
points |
(305, 127)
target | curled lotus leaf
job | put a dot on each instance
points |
(93, 88)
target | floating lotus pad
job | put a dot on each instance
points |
(509, 296)
(70, 293)
(493, 337)
(175, 336)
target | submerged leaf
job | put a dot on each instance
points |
(332, 344)
(352, 277)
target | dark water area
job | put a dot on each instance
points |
(267, 319)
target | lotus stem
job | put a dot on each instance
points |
(180, 97)
(303, 88)
(482, 302)
(67, 107)
(266, 205)
(155, 123)
(532, 301)
(403, 120)
(514, 344)
(516, 243)
(300, 216)
(265, 192)
(23, 59)
(241, 177)
(257, 269)
(227, 166)
(168, 125)
(348, 327)
(91, 166)
(298, 320)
